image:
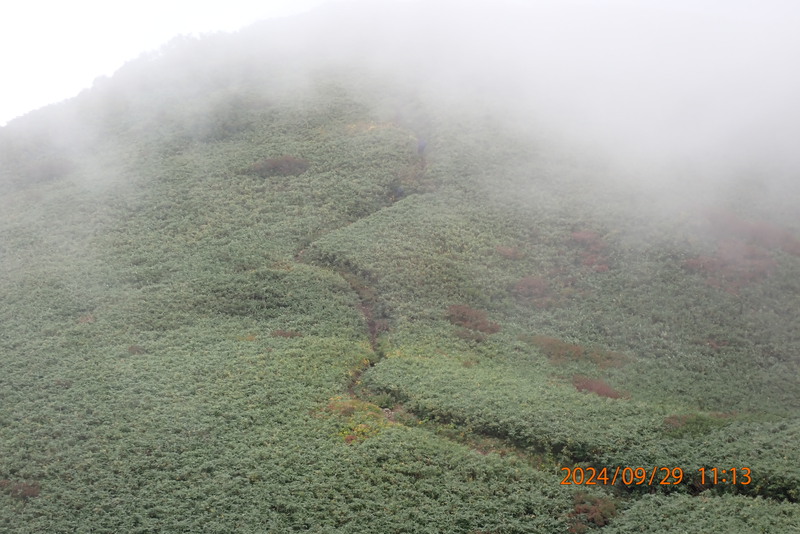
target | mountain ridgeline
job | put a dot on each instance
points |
(247, 290)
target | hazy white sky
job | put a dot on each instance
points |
(52, 49)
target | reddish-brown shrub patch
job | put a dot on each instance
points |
(744, 252)
(20, 490)
(556, 350)
(461, 315)
(559, 352)
(673, 422)
(589, 239)
(286, 333)
(589, 512)
(280, 166)
(593, 248)
(734, 265)
(598, 386)
(791, 245)
(725, 224)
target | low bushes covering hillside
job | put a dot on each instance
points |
(242, 308)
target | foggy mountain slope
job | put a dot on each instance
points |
(680, 100)
(333, 293)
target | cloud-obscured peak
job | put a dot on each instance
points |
(702, 82)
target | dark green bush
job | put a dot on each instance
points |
(280, 166)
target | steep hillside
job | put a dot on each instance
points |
(241, 294)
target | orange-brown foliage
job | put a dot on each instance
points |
(286, 333)
(596, 511)
(589, 239)
(744, 253)
(20, 490)
(726, 225)
(598, 386)
(461, 315)
(560, 352)
(593, 253)
(673, 422)
(734, 265)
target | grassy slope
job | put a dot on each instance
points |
(147, 279)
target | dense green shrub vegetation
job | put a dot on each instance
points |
(679, 513)
(248, 306)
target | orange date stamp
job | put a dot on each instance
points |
(641, 476)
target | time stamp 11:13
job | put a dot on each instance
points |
(637, 476)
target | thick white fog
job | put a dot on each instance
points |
(710, 85)
(713, 82)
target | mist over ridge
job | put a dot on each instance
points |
(658, 78)
(671, 94)
(711, 83)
